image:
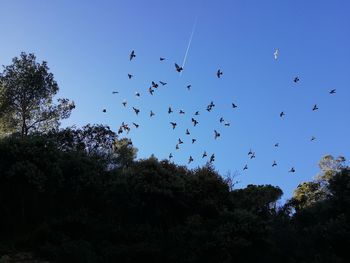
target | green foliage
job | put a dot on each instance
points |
(26, 98)
(79, 195)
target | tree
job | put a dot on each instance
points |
(27, 89)
(309, 193)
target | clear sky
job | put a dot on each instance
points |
(87, 46)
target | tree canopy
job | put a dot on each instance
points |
(27, 89)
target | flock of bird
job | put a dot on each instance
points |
(124, 127)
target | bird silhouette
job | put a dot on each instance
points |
(227, 124)
(245, 167)
(274, 164)
(196, 113)
(136, 125)
(150, 90)
(163, 83)
(332, 91)
(181, 112)
(217, 134)
(176, 146)
(313, 138)
(154, 85)
(180, 142)
(194, 121)
(252, 155)
(204, 154)
(170, 156)
(315, 107)
(137, 111)
(187, 132)
(132, 55)
(104, 110)
(292, 170)
(212, 158)
(170, 110)
(219, 73)
(151, 114)
(115, 92)
(173, 124)
(161, 59)
(276, 53)
(137, 94)
(194, 140)
(130, 76)
(221, 120)
(250, 152)
(234, 105)
(282, 114)
(277, 144)
(296, 79)
(124, 103)
(190, 159)
(178, 68)
(189, 87)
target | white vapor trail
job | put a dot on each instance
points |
(189, 43)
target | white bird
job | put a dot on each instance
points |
(276, 53)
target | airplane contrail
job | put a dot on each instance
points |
(189, 43)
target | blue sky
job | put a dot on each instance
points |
(87, 43)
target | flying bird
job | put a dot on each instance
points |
(282, 114)
(234, 105)
(170, 156)
(154, 85)
(104, 110)
(194, 121)
(204, 154)
(217, 134)
(227, 124)
(151, 114)
(252, 155)
(163, 83)
(292, 170)
(187, 132)
(219, 73)
(250, 152)
(137, 94)
(132, 55)
(176, 146)
(115, 92)
(245, 167)
(296, 79)
(173, 124)
(274, 164)
(170, 110)
(313, 138)
(130, 76)
(124, 103)
(194, 140)
(190, 159)
(150, 90)
(178, 68)
(189, 87)
(137, 111)
(276, 53)
(332, 91)
(180, 142)
(315, 107)
(221, 120)
(181, 112)
(277, 144)
(161, 59)
(136, 125)
(212, 158)
(196, 113)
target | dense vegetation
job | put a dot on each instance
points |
(80, 195)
